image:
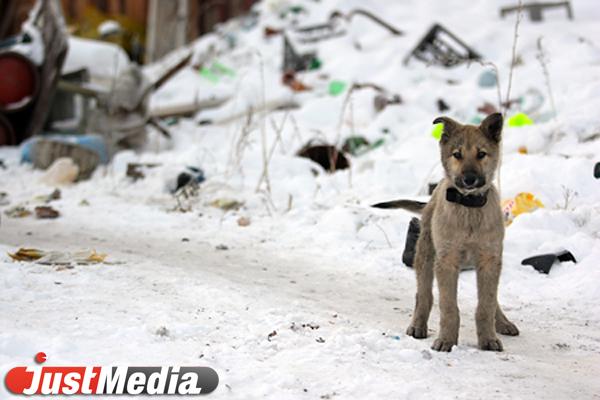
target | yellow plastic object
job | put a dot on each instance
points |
(522, 203)
(86, 26)
(437, 131)
(519, 119)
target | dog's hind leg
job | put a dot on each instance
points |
(503, 325)
(423, 265)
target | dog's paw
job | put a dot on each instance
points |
(492, 344)
(507, 328)
(443, 345)
(417, 332)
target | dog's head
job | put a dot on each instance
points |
(470, 153)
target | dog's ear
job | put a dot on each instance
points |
(450, 126)
(491, 126)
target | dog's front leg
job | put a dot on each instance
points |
(446, 273)
(424, 298)
(488, 274)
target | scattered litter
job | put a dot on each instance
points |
(87, 151)
(55, 195)
(227, 204)
(543, 263)
(355, 144)
(243, 221)
(381, 101)
(24, 254)
(522, 150)
(271, 335)
(335, 27)
(487, 108)
(216, 71)
(221, 247)
(296, 62)
(58, 257)
(320, 340)
(412, 235)
(488, 79)
(84, 203)
(359, 145)
(536, 9)
(191, 175)
(162, 331)
(350, 15)
(309, 325)
(46, 212)
(519, 119)
(136, 170)
(597, 170)
(522, 203)
(327, 156)
(290, 80)
(441, 47)
(17, 212)
(63, 171)
(4, 199)
(336, 87)
(442, 105)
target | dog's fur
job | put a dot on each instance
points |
(453, 235)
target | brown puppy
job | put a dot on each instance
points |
(461, 225)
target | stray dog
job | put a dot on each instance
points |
(461, 225)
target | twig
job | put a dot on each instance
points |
(510, 75)
(498, 88)
(387, 239)
(263, 127)
(541, 57)
(263, 175)
(514, 54)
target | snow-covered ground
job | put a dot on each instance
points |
(316, 265)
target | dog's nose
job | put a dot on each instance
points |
(470, 179)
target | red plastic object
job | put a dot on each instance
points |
(7, 133)
(19, 81)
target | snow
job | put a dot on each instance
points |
(314, 252)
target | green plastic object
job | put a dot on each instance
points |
(216, 71)
(437, 131)
(476, 120)
(336, 87)
(315, 63)
(207, 74)
(519, 119)
(221, 69)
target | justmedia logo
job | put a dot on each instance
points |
(45, 380)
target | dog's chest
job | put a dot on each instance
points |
(456, 224)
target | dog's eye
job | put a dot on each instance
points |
(481, 155)
(457, 155)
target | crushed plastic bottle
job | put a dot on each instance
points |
(522, 203)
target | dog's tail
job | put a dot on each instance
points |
(408, 205)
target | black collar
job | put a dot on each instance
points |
(470, 200)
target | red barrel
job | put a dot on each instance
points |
(19, 81)
(7, 134)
